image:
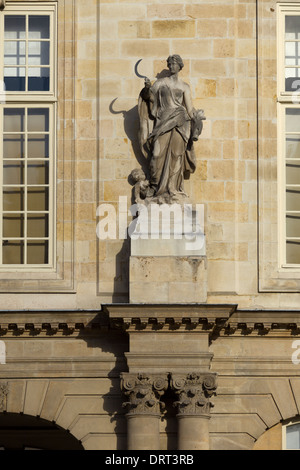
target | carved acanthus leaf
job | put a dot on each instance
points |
(194, 391)
(3, 396)
(144, 392)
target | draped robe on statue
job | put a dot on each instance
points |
(172, 155)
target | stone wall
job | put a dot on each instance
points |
(65, 369)
(217, 43)
(57, 367)
(99, 45)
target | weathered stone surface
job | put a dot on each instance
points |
(177, 279)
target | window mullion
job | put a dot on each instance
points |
(26, 53)
(25, 185)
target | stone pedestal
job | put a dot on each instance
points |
(168, 279)
(168, 259)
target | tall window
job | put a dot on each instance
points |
(27, 136)
(289, 133)
(291, 436)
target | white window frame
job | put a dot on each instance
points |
(35, 99)
(33, 9)
(285, 99)
(285, 425)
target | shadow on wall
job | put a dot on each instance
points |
(121, 280)
(131, 128)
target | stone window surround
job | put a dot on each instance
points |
(286, 100)
(285, 425)
(272, 276)
(61, 278)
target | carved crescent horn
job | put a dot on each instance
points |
(136, 69)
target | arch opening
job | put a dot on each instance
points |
(23, 432)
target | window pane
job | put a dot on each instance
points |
(39, 79)
(13, 252)
(38, 53)
(13, 199)
(37, 199)
(293, 252)
(13, 225)
(292, 51)
(293, 200)
(293, 226)
(292, 147)
(293, 437)
(13, 172)
(14, 27)
(292, 79)
(293, 173)
(38, 120)
(14, 120)
(37, 173)
(14, 146)
(37, 225)
(39, 27)
(37, 252)
(14, 53)
(14, 78)
(292, 120)
(38, 146)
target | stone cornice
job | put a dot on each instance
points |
(51, 322)
(168, 316)
(264, 322)
(213, 319)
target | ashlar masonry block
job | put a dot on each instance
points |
(168, 279)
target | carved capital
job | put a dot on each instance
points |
(144, 392)
(194, 391)
(2, 5)
(3, 396)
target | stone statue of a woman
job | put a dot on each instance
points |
(168, 126)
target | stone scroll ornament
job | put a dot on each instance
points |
(144, 393)
(194, 392)
(169, 126)
(3, 396)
